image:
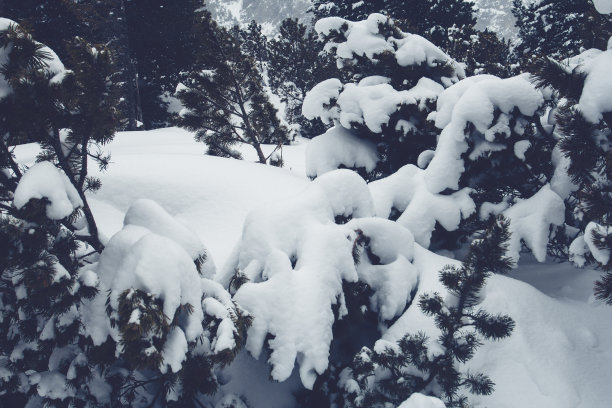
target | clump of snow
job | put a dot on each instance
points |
(371, 103)
(578, 250)
(408, 192)
(322, 95)
(603, 6)
(595, 99)
(601, 255)
(155, 253)
(530, 222)
(418, 400)
(339, 147)
(364, 39)
(53, 68)
(44, 180)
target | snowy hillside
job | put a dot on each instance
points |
(559, 355)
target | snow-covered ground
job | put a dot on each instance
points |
(560, 354)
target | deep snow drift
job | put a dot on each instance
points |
(558, 356)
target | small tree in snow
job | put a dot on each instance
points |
(583, 118)
(223, 96)
(47, 230)
(391, 374)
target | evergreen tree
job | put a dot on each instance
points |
(47, 230)
(254, 44)
(223, 95)
(163, 43)
(585, 133)
(391, 375)
(99, 22)
(431, 19)
(558, 28)
(296, 65)
(406, 132)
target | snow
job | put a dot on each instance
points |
(595, 99)
(44, 180)
(339, 147)
(603, 6)
(557, 356)
(407, 191)
(148, 214)
(530, 222)
(362, 38)
(417, 400)
(320, 96)
(175, 351)
(475, 101)
(139, 259)
(296, 259)
(54, 68)
(601, 255)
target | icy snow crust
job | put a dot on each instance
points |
(557, 356)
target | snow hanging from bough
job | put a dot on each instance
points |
(44, 180)
(531, 220)
(363, 39)
(408, 192)
(474, 101)
(53, 69)
(339, 147)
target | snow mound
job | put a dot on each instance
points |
(148, 214)
(339, 147)
(44, 180)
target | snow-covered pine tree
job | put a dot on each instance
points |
(254, 43)
(392, 372)
(395, 79)
(47, 230)
(583, 118)
(296, 65)
(224, 98)
(558, 28)
(99, 22)
(431, 19)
